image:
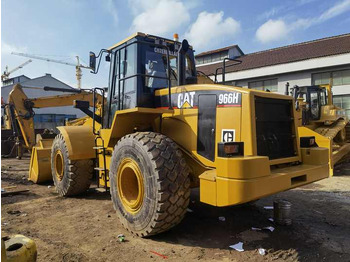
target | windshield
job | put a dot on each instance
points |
(155, 67)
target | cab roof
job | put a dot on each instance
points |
(143, 35)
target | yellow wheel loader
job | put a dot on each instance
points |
(160, 134)
(320, 118)
(19, 126)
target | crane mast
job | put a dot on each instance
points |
(77, 66)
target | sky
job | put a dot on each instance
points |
(63, 29)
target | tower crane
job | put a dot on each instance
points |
(7, 73)
(77, 66)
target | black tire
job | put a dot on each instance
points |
(76, 175)
(165, 178)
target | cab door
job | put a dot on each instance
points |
(123, 81)
(206, 126)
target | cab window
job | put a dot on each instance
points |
(314, 105)
(323, 97)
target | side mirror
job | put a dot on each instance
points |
(108, 58)
(184, 46)
(92, 61)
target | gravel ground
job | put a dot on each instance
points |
(85, 228)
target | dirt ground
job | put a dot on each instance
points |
(85, 228)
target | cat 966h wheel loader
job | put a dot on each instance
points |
(320, 118)
(160, 133)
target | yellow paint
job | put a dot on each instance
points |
(58, 165)
(207, 191)
(130, 185)
(231, 191)
(321, 141)
(243, 167)
(20, 249)
(79, 140)
(40, 162)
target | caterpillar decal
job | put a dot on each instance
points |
(186, 100)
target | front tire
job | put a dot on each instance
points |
(71, 177)
(149, 180)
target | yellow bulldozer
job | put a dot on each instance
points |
(320, 118)
(160, 133)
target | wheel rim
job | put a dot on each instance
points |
(59, 165)
(130, 185)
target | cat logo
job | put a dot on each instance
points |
(228, 135)
(185, 100)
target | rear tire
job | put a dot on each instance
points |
(71, 177)
(150, 186)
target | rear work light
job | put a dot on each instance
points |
(230, 149)
(308, 141)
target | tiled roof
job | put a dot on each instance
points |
(292, 53)
(217, 50)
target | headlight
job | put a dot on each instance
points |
(230, 149)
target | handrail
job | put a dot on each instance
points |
(224, 68)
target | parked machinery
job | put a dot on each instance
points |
(320, 118)
(160, 133)
(18, 132)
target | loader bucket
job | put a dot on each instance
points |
(40, 162)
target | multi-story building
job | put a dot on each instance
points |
(320, 61)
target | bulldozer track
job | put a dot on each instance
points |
(332, 130)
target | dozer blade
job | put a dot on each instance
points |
(341, 153)
(336, 152)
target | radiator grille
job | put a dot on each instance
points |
(275, 128)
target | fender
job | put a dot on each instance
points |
(80, 141)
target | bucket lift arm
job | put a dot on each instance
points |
(23, 108)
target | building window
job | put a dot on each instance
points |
(264, 85)
(343, 102)
(211, 57)
(339, 78)
(199, 60)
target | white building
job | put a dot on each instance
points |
(310, 63)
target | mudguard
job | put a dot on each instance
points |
(80, 141)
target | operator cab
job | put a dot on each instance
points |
(142, 64)
(314, 98)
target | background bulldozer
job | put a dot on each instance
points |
(160, 133)
(320, 118)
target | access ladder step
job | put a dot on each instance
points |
(98, 147)
(99, 168)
